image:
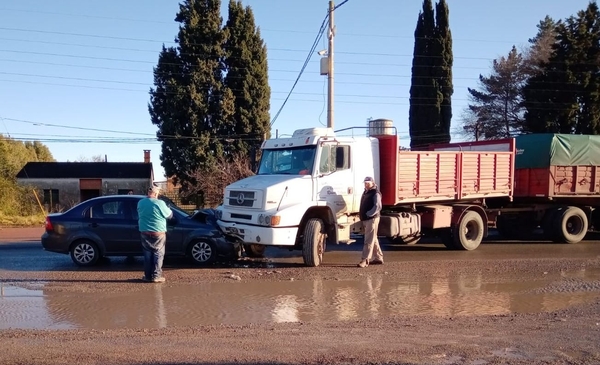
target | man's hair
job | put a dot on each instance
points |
(154, 189)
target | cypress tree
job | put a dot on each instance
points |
(189, 102)
(431, 84)
(247, 78)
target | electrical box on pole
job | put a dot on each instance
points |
(324, 65)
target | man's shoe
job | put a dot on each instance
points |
(363, 263)
(376, 262)
(159, 280)
(144, 278)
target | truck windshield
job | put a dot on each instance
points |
(289, 161)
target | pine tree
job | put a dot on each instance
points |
(496, 110)
(565, 96)
(247, 77)
(189, 102)
(431, 85)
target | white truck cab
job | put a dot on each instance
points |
(306, 193)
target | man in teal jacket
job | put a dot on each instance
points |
(152, 219)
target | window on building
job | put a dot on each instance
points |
(51, 197)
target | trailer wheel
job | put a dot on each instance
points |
(314, 242)
(468, 233)
(571, 225)
(407, 240)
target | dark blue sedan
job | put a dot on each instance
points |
(108, 226)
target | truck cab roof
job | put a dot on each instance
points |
(301, 137)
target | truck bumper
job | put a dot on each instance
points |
(270, 236)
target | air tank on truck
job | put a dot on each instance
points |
(306, 193)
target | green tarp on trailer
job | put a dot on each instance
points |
(536, 151)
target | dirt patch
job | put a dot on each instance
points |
(14, 234)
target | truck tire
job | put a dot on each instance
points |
(406, 240)
(313, 246)
(468, 233)
(253, 250)
(571, 226)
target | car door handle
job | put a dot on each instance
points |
(93, 225)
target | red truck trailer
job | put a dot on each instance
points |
(446, 193)
(556, 185)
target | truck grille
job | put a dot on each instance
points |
(238, 198)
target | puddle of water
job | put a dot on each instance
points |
(239, 303)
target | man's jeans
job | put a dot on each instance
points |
(371, 247)
(154, 253)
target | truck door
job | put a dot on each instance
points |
(335, 183)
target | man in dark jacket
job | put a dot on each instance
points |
(370, 208)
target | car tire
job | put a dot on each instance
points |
(85, 253)
(202, 252)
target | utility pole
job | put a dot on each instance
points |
(330, 67)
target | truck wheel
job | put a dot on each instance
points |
(314, 242)
(571, 225)
(468, 233)
(407, 240)
(254, 250)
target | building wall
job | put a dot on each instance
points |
(70, 194)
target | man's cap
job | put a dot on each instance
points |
(369, 179)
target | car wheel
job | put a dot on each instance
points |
(85, 253)
(202, 252)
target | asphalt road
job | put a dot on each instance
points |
(27, 254)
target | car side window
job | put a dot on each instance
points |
(109, 210)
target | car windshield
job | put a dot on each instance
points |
(288, 161)
(172, 205)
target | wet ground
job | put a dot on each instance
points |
(46, 305)
(507, 302)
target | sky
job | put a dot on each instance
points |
(76, 75)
